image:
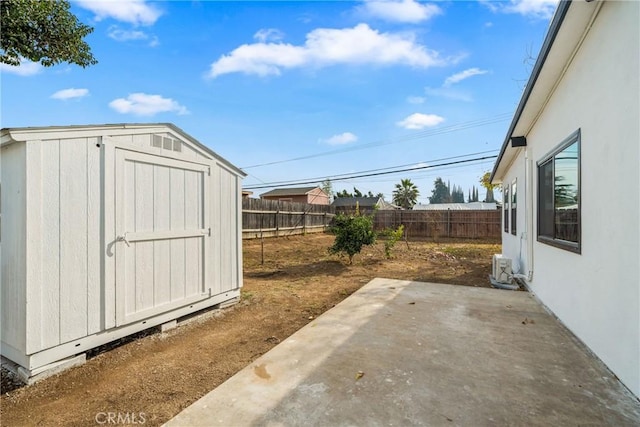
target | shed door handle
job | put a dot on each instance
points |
(123, 238)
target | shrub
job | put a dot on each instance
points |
(352, 233)
(391, 236)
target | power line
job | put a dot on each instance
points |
(416, 135)
(342, 177)
(363, 175)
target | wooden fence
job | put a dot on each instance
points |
(435, 224)
(273, 218)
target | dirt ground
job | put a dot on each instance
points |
(151, 378)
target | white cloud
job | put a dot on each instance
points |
(120, 35)
(416, 99)
(448, 93)
(542, 9)
(142, 104)
(136, 12)
(458, 77)
(401, 11)
(71, 93)
(26, 68)
(324, 47)
(341, 139)
(420, 121)
(268, 34)
(536, 8)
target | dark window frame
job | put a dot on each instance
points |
(548, 159)
(514, 204)
(505, 209)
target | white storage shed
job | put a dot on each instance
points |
(108, 230)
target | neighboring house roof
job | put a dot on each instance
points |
(559, 45)
(384, 205)
(363, 202)
(10, 135)
(473, 206)
(291, 191)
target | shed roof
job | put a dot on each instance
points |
(290, 191)
(566, 30)
(19, 134)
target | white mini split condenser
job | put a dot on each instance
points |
(501, 268)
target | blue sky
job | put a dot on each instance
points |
(347, 86)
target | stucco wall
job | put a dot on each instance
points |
(597, 293)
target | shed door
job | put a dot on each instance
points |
(162, 227)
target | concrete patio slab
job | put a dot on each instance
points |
(411, 353)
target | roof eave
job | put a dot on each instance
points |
(554, 28)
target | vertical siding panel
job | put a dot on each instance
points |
(162, 248)
(110, 246)
(14, 259)
(238, 229)
(73, 243)
(144, 222)
(51, 243)
(216, 230)
(206, 216)
(178, 261)
(192, 252)
(34, 246)
(128, 189)
(94, 238)
(192, 221)
(226, 225)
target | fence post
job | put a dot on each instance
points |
(448, 222)
(304, 222)
(277, 212)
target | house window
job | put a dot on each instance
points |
(513, 208)
(505, 209)
(559, 195)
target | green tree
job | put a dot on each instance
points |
(457, 195)
(356, 192)
(406, 194)
(440, 192)
(42, 31)
(390, 237)
(352, 233)
(327, 187)
(486, 183)
(343, 193)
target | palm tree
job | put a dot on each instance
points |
(406, 194)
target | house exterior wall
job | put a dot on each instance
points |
(516, 245)
(59, 245)
(317, 197)
(595, 293)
